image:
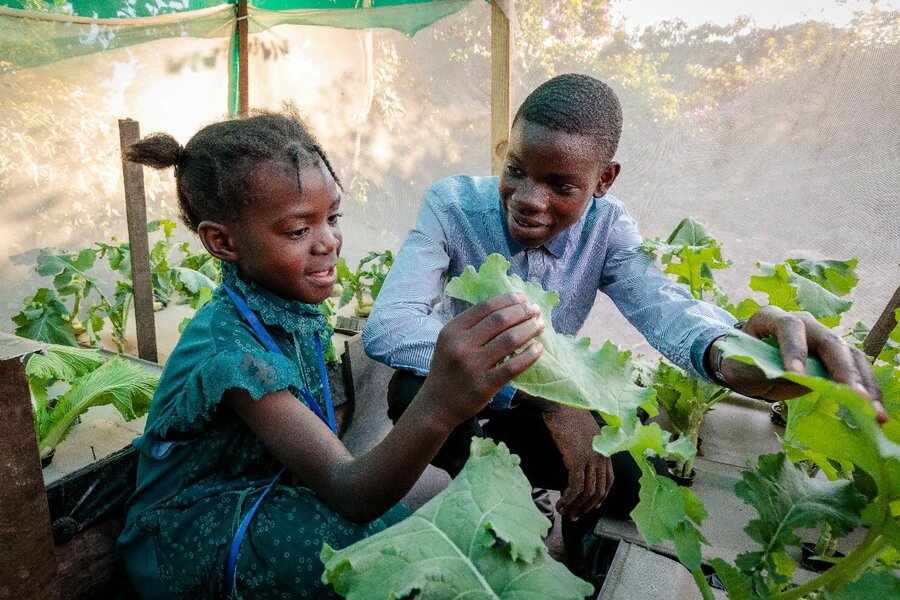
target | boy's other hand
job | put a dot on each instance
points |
(799, 335)
(476, 353)
(590, 474)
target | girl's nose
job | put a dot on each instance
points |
(327, 242)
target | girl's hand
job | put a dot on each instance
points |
(474, 355)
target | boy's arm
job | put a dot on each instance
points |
(681, 327)
(401, 330)
(684, 329)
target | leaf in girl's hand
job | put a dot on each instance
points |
(479, 538)
(568, 371)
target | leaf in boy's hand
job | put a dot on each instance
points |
(481, 537)
(568, 371)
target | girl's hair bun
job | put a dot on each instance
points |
(157, 150)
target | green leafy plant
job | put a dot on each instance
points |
(87, 379)
(686, 401)
(365, 282)
(479, 538)
(811, 286)
(79, 305)
(831, 427)
(691, 254)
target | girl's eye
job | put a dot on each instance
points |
(333, 219)
(298, 233)
(514, 171)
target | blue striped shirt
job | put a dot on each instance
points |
(461, 222)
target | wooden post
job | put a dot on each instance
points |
(885, 324)
(27, 559)
(243, 73)
(136, 214)
(500, 77)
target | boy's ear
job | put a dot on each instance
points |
(217, 240)
(607, 178)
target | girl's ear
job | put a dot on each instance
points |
(607, 178)
(217, 240)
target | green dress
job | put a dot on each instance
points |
(201, 468)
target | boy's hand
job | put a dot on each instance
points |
(800, 335)
(590, 473)
(474, 355)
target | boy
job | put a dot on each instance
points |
(551, 216)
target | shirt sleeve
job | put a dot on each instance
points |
(401, 330)
(673, 321)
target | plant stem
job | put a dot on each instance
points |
(849, 567)
(702, 584)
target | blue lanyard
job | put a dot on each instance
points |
(270, 345)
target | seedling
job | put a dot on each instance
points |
(365, 282)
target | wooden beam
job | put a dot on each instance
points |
(500, 77)
(243, 50)
(885, 324)
(136, 214)
(27, 559)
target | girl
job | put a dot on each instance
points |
(242, 395)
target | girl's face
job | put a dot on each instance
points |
(287, 242)
(548, 180)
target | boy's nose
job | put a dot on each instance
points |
(529, 196)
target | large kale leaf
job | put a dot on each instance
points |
(568, 372)
(479, 538)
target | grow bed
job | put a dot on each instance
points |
(734, 435)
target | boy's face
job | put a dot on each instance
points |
(548, 180)
(286, 242)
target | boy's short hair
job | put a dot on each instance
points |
(577, 104)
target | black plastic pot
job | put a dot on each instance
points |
(808, 551)
(777, 415)
(45, 462)
(686, 481)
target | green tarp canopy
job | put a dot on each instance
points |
(38, 32)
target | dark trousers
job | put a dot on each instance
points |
(523, 430)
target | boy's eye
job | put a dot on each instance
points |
(333, 219)
(514, 171)
(563, 188)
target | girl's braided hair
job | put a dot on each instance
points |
(212, 172)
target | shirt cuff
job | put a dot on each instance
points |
(701, 345)
(504, 398)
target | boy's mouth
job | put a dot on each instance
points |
(527, 223)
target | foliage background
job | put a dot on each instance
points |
(780, 134)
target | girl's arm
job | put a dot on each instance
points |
(469, 367)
